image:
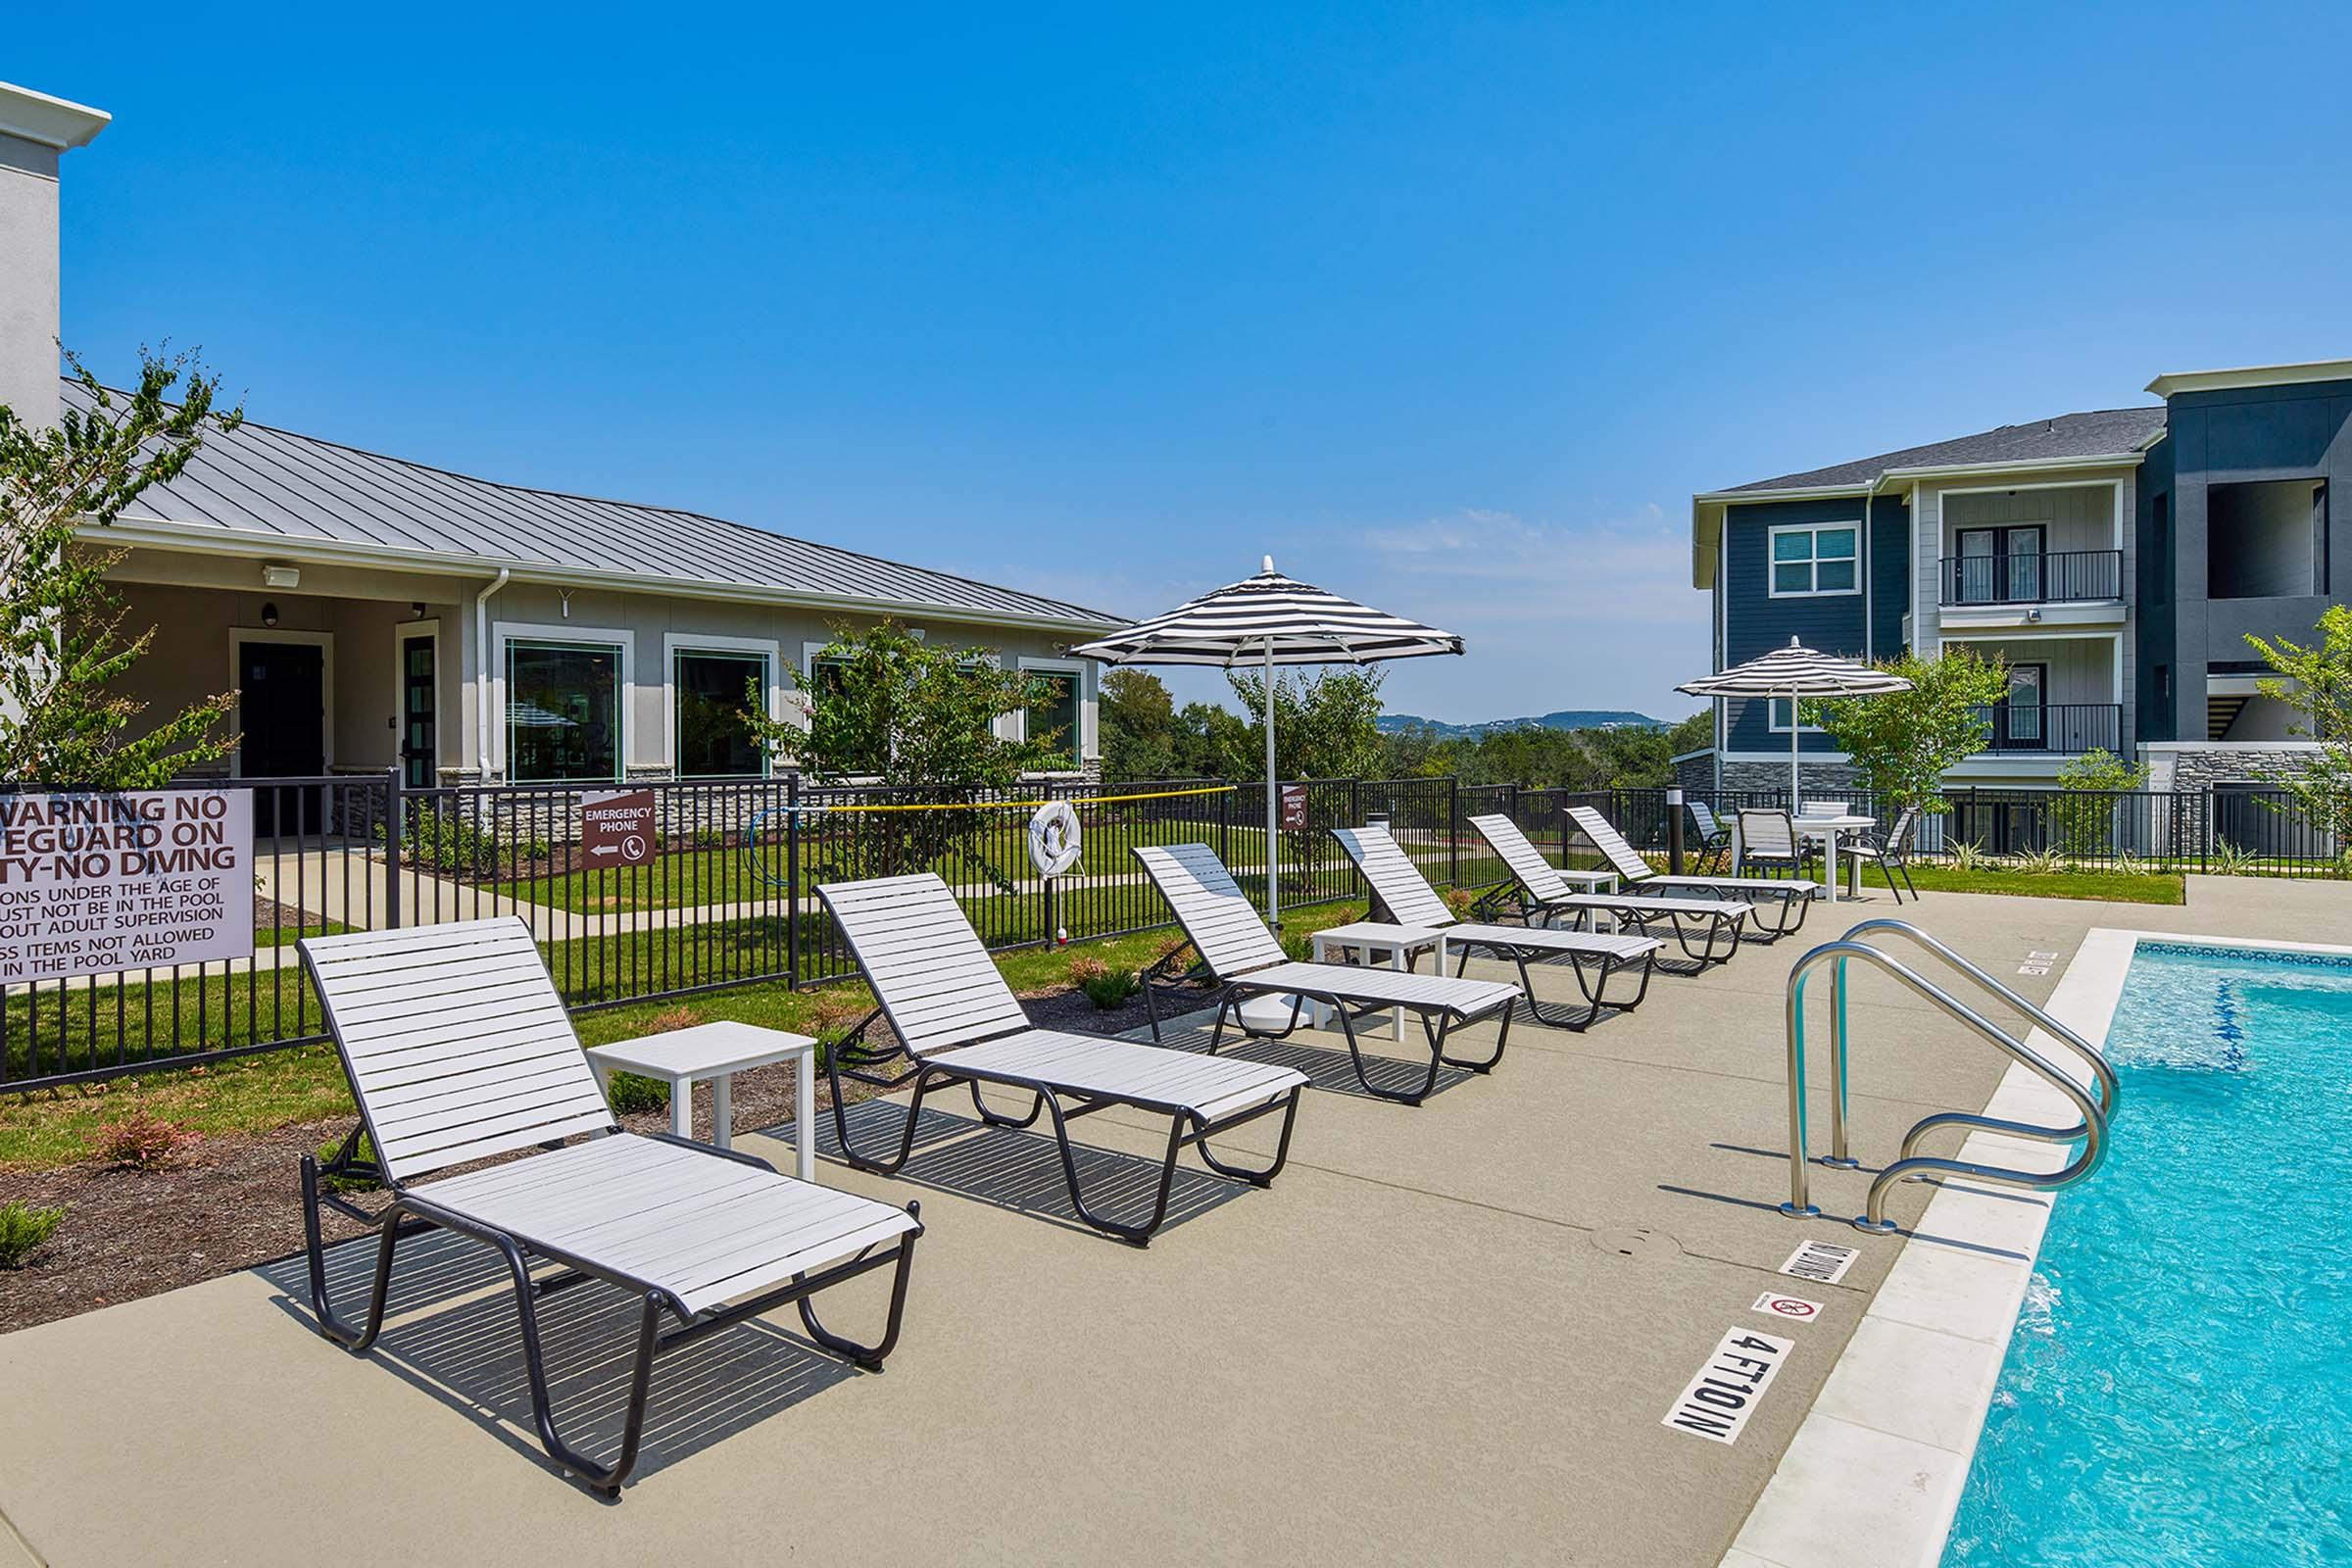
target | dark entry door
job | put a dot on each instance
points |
(419, 749)
(281, 705)
(2019, 721)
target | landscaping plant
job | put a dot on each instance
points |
(64, 648)
(22, 1229)
(1903, 743)
(2316, 681)
(2083, 817)
(141, 1141)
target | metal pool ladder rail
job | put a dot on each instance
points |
(2095, 1113)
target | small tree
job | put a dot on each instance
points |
(1326, 725)
(2085, 816)
(62, 642)
(1138, 727)
(1903, 743)
(921, 720)
(2317, 683)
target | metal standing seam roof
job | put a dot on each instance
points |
(2103, 432)
(302, 489)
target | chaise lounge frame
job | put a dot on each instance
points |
(1537, 893)
(1242, 959)
(954, 1021)
(1792, 897)
(458, 1049)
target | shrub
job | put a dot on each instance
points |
(632, 1095)
(1086, 968)
(1459, 899)
(140, 1141)
(834, 1012)
(1110, 988)
(672, 1018)
(347, 1184)
(2042, 863)
(1970, 855)
(2228, 859)
(2084, 817)
(450, 838)
(22, 1229)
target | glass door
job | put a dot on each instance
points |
(2020, 717)
(419, 751)
(1972, 573)
(2022, 550)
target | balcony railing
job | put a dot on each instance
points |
(2063, 728)
(2052, 577)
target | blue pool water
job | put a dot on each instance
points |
(2178, 1389)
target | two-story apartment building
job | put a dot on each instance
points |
(2115, 560)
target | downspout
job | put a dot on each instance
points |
(1870, 624)
(482, 675)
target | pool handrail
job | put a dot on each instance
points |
(2093, 1129)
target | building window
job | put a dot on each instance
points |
(715, 702)
(563, 712)
(1780, 718)
(1815, 558)
(1052, 715)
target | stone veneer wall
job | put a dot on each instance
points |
(1695, 770)
(1773, 776)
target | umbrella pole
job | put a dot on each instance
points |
(1273, 790)
(1795, 733)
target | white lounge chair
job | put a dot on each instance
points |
(1792, 897)
(1242, 958)
(958, 1021)
(457, 1050)
(1540, 894)
(1404, 895)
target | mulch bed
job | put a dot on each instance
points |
(232, 1202)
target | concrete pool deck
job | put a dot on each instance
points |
(1450, 1333)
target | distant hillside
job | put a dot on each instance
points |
(1574, 718)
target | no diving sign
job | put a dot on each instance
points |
(1788, 1309)
(616, 828)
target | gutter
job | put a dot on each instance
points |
(481, 676)
(161, 533)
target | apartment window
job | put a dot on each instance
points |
(1781, 718)
(1815, 558)
(563, 712)
(1053, 715)
(715, 696)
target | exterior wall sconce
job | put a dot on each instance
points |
(270, 615)
(281, 577)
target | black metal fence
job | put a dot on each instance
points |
(727, 897)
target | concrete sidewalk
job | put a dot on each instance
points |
(1445, 1335)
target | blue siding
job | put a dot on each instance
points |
(1889, 572)
(2154, 592)
(1755, 622)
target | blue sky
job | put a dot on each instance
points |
(1449, 307)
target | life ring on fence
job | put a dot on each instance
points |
(1054, 838)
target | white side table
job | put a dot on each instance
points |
(1592, 881)
(1396, 946)
(718, 1052)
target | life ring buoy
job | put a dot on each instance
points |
(1054, 838)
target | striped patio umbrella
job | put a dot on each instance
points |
(1796, 672)
(1266, 620)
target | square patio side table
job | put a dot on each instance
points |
(718, 1052)
(1396, 946)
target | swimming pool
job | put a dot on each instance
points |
(2178, 1389)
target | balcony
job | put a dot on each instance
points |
(2047, 578)
(2053, 729)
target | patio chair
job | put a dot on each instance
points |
(457, 1050)
(1826, 807)
(1537, 893)
(1404, 896)
(1714, 845)
(1242, 959)
(956, 1021)
(1892, 853)
(1792, 898)
(1768, 838)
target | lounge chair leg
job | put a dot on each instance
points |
(1355, 1053)
(1282, 1149)
(870, 1357)
(1133, 1235)
(356, 1341)
(1502, 1038)
(923, 1081)
(999, 1119)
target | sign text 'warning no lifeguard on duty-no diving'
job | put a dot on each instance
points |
(103, 883)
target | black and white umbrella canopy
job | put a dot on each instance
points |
(1792, 672)
(1271, 615)
(1261, 622)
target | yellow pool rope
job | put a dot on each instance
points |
(1023, 805)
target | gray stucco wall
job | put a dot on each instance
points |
(28, 279)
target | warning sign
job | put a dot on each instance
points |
(617, 827)
(1788, 1309)
(103, 883)
(1822, 1262)
(1293, 807)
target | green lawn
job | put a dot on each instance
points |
(305, 1083)
(2119, 887)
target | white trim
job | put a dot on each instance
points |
(679, 642)
(1781, 729)
(162, 534)
(322, 640)
(1086, 736)
(2117, 484)
(1772, 561)
(2251, 375)
(401, 631)
(2230, 746)
(504, 632)
(50, 120)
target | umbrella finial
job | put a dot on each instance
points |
(1268, 564)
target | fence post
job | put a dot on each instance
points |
(1453, 830)
(791, 882)
(395, 810)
